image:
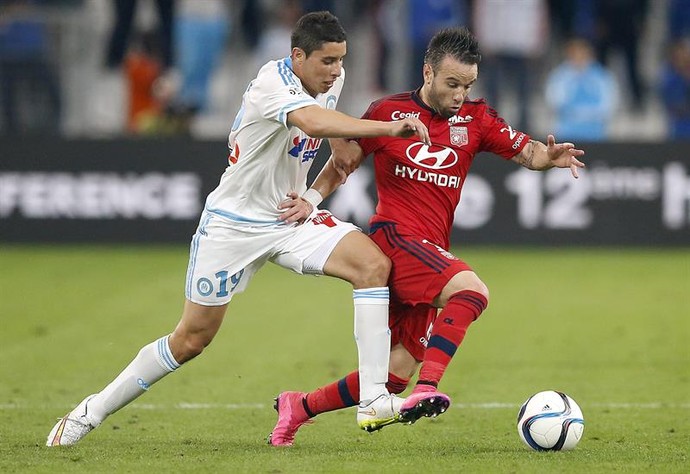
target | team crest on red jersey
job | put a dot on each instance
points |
(459, 136)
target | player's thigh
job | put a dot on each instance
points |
(316, 243)
(420, 269)
(223, 259)
(358, 260)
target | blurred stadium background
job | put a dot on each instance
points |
(70, 66)
(114, 114)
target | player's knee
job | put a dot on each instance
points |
(482, 289)
(476, 285)
(194, 347)
(473, 294)
(380, 269)
(188, 346)
(372, 271)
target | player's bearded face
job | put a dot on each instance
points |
(446, 89)
(319, 71)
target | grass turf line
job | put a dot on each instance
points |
(605, 326)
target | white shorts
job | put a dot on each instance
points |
(224, 255)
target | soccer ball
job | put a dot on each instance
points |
(550, 421)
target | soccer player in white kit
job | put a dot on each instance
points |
(261, 211)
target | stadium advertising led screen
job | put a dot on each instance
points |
(153, 191)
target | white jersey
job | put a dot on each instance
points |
(268, 158)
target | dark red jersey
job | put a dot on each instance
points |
(418, 186)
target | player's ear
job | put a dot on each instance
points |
(428, 74)
(298, 55)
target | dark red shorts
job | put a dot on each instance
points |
(411, 327)
(420, 271)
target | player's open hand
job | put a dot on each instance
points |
(564, 155)
(411, 126)
(296, 208)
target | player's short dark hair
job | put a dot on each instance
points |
(316, 28)
(459, 43)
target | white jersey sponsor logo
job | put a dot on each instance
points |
(420, 154)
(415, 174)
(460, 119)
(398, 115)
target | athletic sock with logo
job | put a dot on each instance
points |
(448, 331)
(153, 362)
(373, 339)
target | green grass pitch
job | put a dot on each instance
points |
(609, 327)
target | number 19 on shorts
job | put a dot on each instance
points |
(223, 284)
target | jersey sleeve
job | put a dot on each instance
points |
(276, 92)
(500, 138)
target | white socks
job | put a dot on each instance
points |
(373, 339)
(152, 363)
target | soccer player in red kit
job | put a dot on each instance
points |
(419, 188)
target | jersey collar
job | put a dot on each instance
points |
(418, 100)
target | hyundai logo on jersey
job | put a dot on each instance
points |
(422, 155)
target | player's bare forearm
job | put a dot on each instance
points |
(539, 156)
(332, 175)
(318, 122)
(328, 179)
(534, 157)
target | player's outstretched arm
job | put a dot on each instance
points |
(318, 122)
(538, 156)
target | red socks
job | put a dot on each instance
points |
(447, 333)
(345, 393)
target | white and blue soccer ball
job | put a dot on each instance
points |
(550, 421)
